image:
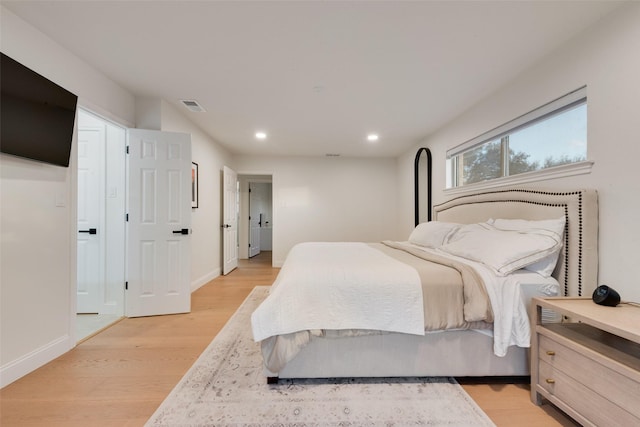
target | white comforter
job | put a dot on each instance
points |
(386, 295)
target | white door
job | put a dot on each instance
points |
(90, 245)
(159, 223)
(255, 222)
(229, 220)
(256, 231)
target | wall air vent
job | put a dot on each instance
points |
(193, 105)
(332, 155)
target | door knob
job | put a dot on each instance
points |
(90, 231)
(182, 231)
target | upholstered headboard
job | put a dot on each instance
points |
(577, 267)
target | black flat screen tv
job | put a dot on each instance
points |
(36, 115)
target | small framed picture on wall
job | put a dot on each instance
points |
(194, 185)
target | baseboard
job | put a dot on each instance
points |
(31, 361)
(198, 283)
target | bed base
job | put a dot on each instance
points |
(453, 353)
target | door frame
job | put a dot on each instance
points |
(245, 178)
(73, 206)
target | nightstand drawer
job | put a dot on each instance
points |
(556, 357)
(592, 405)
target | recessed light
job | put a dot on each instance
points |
(372, 137)
(261, 135)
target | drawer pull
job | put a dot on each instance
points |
(550, 381)
(551, 353)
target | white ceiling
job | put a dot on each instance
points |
(316, 76)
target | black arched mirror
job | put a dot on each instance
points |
(422, 173)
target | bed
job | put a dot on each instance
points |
(392, 347)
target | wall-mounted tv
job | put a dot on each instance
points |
(36, 115)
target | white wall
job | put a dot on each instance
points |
(606, 58)
(37, 224)
(206, 249)
(327, 199)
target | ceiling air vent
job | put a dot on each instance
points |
(193, 105)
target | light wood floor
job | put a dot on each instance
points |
(120, 376)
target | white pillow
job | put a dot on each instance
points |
(504, 251)
(554, 225)
(433, 234)
(545, 266)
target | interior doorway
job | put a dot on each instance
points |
(255, 223)
(101, 224)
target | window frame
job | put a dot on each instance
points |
(556, 107)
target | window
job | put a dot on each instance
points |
(552, 135)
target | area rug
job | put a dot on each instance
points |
(226, 387)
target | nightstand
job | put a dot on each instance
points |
(588, 364)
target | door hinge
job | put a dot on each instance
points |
(126, 217)
(126, 286)
(127, 149)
